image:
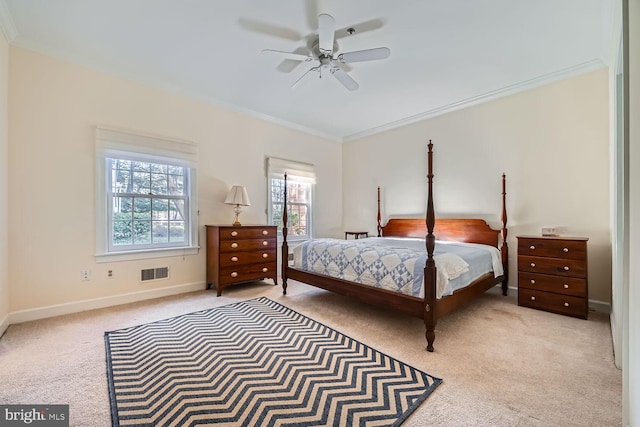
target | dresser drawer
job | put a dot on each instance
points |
(561, 267)
(557, 284)
(553, 248)
(229, 259)
(247, 233)
(246, 273)
(247, 245)
(556, 303)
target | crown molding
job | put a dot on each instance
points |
(6, 22)
(485, 97)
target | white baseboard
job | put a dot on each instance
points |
(92, 304)
(617, 358)
(4, 325)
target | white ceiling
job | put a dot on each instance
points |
(445, 54)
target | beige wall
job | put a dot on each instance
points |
(54, 109)
(552, 142)
(4, 178)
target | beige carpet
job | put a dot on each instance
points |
(502, 365)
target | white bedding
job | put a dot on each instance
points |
(397, 264)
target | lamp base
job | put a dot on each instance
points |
(236, 221)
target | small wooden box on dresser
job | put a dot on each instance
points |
(552, 274)
(237, 254)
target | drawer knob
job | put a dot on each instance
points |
(265, 243)
(265, 232)
(565, 250)
(566, 268)
(234, 258)
(234, 245)
(234, 233)
(533, 282)
(265, 269)
(532, 247)
(234, 274)
(566, 304)
(265, 255)
(533, 298)
(533, 264)
(565, 286)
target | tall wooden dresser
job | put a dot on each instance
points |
(552, 274)
(237, 254)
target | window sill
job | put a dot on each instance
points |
(146, 254)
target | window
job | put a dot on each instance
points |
(300, 180)
(148, 204)
(145, 196)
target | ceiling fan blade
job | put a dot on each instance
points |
(269, 29)
(345, 79)
(365, 55)
(303, 76)
(289, 55)
(326, 27)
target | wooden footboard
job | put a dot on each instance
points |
(429, 308)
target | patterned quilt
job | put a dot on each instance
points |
(388, 266)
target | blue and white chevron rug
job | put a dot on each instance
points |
(255, 363)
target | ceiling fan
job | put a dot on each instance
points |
(324, 54)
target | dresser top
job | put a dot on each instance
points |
(238, 226)
(539, 236)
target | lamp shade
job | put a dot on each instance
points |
(238, 196)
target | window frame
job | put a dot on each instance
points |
(117, 144)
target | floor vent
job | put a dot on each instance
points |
(154, 274)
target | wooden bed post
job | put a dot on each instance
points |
(379, 216)
(285, 247)
(504, 250)
(430, 318)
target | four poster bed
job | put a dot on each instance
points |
(420, 289)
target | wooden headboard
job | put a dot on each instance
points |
(460, 230)
(468, 230)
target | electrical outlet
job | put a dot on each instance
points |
(109, 274)
(85, 275)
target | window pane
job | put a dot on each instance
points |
(160, 232)
(177, 231)
(156, 168)
(122, 233)
(277, 190)
(141, 232)
(175, 185)
(120, 181)
(176, 210)
(158, 183)
(122, 205)
(160, 209)
(141, 166)
(142, 208)
(141, 184)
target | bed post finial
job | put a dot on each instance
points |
(430, 316)
(285, 247)
(504, 250)
(379, 216)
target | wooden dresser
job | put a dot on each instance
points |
(237, 254)
(552, 274)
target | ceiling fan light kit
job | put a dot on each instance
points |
(325, 53)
